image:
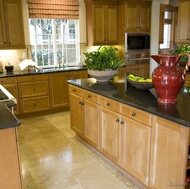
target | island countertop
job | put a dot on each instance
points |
(118, 89)
(7, 119)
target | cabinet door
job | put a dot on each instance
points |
(135, 148)
(111, 24)
(169, 150)
(183, 21)
(76, 108)
(10, 171)
(137, 17)
(14, 23)
(109, 132)
(91, 119)
(143, 70)
(59, 90)
(131, 16)
(2, 25)
(144, 18)
(99, 24)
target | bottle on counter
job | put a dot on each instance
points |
(1, 66)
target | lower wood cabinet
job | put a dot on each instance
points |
(109, 132)
(141, 69)
(59, 95)
(33, 93)
(151, 149)
(169, 153)
(84, 115)
(134, 148)
(10, 170)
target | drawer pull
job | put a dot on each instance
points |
(108, 104)
(74, 90)
(122, 122)
(34, 89)
(117, 120)
(89, 96)
(81, 103)
(133, 114)
(35, 105)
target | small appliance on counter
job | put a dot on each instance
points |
(9, 68)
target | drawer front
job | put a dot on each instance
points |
(33, 89)
(75, 90)
(90, 96)
(34, 104)
(30, 78)
(110, 104)
(135, 114)
(10, 80)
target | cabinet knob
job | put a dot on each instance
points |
(108, 104)
(133, 114)
(74, 90)
(35, 105)
(117, 120)
(89, 96)
(122, 122)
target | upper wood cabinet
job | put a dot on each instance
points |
(11, 25)
(183, 24)
(101, 20)
(137, 17)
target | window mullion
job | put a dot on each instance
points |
(54, 43)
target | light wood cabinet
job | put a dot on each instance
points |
(137, 17)
(139, 69)
(59, 95)
(10, 170)
(109, 132)
(11, 85)
(135, 142)
(11, 24)
(84, 104)
(101, 20)
(183, 24)
(168, 154)
(33, 93)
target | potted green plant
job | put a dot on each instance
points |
(182, 49)
(103, 63)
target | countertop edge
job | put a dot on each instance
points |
(152, 111)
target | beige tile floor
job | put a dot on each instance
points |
(54, 158)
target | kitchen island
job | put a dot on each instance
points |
(10, 170)
(148, 141)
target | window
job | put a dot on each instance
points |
(168, 19)
(54, 42)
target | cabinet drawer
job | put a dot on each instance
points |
(10, 80)
(108, 103)
(90, 96)
(31, 89)
(34, 104)
(75, 90)
(136, 114)
(39, 77)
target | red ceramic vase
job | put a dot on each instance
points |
(168, 78)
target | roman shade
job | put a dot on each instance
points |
(54, 9)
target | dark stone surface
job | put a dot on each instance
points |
(121, 91)
(7, 119)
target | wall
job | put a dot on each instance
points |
(16, 56)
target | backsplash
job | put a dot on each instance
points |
(14, 57)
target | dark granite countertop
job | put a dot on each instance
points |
(41, 71)
(7, 119)
(123, 92)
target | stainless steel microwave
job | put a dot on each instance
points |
(137, 41)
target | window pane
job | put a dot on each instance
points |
(166, 43)
(50, 37)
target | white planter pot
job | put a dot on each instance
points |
(102, 76)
